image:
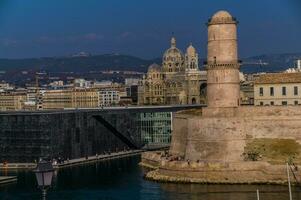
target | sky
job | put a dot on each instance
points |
(143, 28)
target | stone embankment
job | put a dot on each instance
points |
(151, 160)
(249, 172)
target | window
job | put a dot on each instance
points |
(261, 103)
(261, 91)
(295, 90)
(284, 103)
(272, 103)
(296, 103)
(271, 91)
(283, 91)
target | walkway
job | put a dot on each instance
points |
(73, 162)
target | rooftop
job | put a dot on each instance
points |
(274, 78)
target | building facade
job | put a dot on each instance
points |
(72, 98)
(155, 127)
(12, 101)
(108, 97)
(85, 98)
(55, 99)
(177, 81)
(277, 89)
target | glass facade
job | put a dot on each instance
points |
(155, 127)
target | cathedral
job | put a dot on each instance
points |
(177, 81)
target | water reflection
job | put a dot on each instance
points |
(123, 179)
(225, 192)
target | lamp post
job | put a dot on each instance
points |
(44, 173)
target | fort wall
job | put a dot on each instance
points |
(221, 134)
(212, 147)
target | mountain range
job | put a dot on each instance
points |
(274, 62)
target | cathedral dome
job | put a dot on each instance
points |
(173, 53)
(154, 68)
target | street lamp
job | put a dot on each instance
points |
(44, 173)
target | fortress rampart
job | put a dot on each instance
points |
(213, 147)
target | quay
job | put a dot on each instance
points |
(90, 159)
(72, 162)
(7, 179)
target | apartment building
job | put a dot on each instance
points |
(278, 89)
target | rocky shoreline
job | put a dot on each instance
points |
(162, 170)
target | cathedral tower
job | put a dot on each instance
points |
(191, 59)
(222, 61)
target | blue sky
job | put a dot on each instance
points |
(36, 28)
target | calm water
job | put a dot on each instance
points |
(123, 179)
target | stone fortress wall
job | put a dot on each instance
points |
(212, 147)
(222, 133)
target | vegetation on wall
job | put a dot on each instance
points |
(276, 151)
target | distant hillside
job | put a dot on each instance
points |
(276, 62)
(78, 64)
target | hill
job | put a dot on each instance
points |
(79, 64)
(276, 62)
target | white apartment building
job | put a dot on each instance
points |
(82, 83)
(108, 98)
(277, 89)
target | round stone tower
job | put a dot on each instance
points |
(222, 61)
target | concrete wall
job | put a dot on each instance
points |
(25, 138)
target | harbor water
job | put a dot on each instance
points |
(123, 179)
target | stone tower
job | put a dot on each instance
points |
(192, 76)
(191, 59)
(222, 61)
